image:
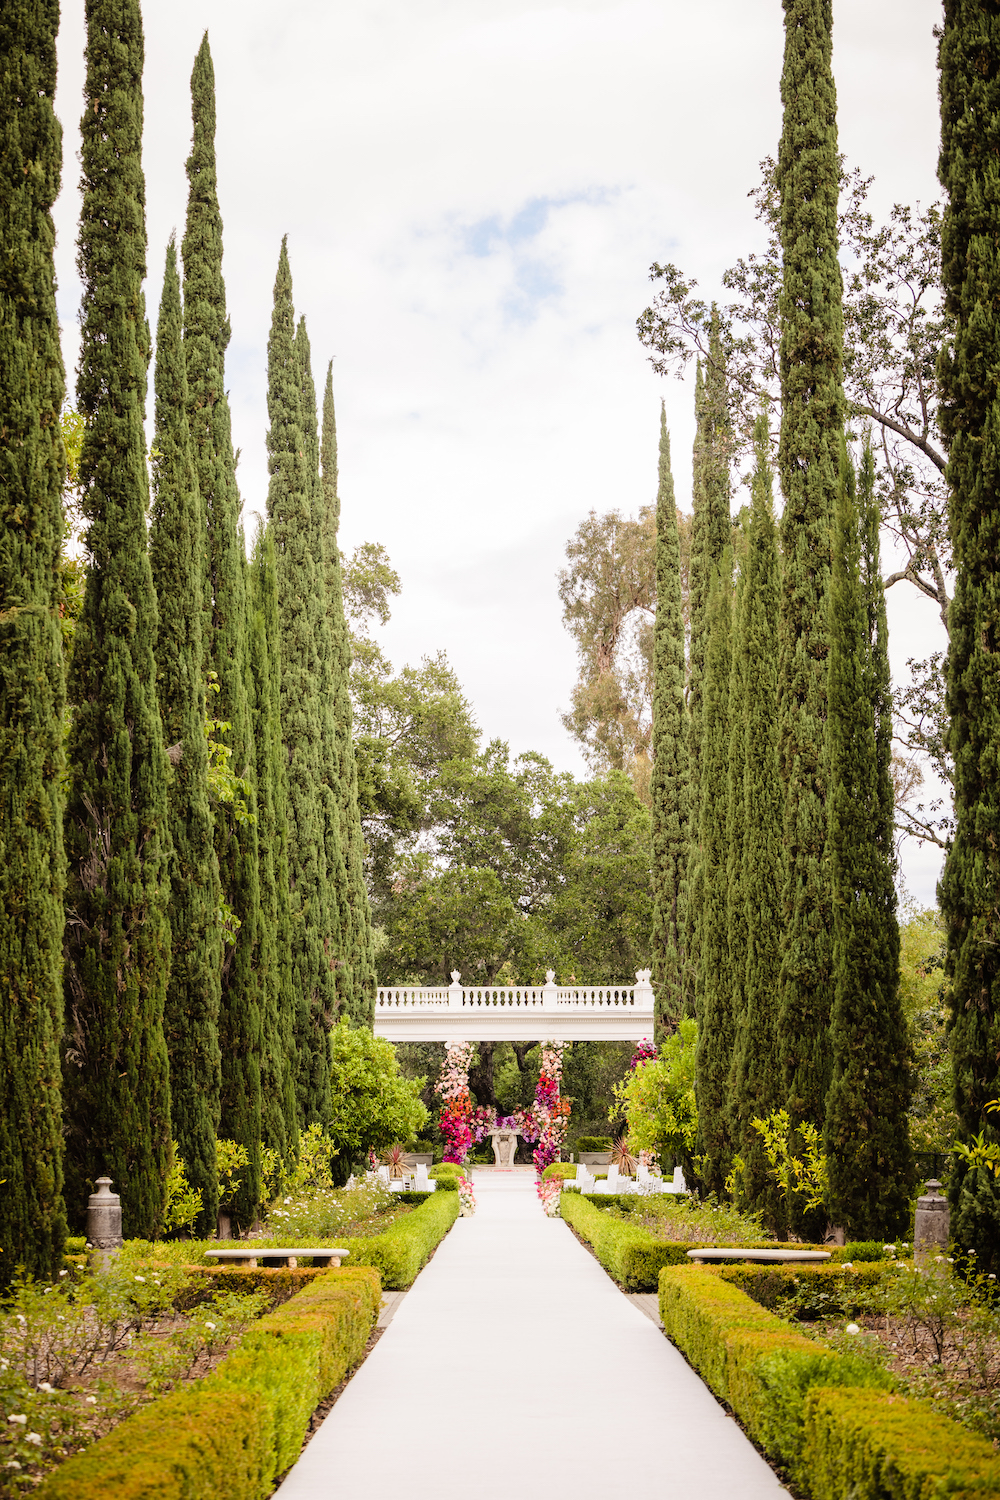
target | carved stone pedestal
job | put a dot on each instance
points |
(104, 1225)
(504, 1147)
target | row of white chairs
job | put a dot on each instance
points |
(616, 1182)
(416, 1180)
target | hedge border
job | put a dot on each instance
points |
(825, 1415)
(244, 1424)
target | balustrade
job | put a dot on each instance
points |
(563, 1012)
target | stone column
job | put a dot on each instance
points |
(932, 1223)
(104, 1225)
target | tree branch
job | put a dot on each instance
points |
(901, 430)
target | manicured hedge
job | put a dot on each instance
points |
(241, 1427)
(831, 1418)
(870, 1446)
(446, 1174)
(816, 1284)
(279, 1282)
(563, 1169)
(400, 1251)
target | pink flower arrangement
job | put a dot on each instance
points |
(645, 1052)
(462, 1123)
(548, 1193)
(551, 1112)
(456, 1107)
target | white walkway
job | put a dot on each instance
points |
(516, 1370)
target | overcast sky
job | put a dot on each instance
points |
(473, 192)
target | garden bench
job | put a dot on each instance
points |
(714, 1252)
(250, 1254)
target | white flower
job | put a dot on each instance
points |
(852, 1328)
(43, 1385)
(139, 1278)
(4, 1363)
(12, 1463)
(848, 1265)
(209, 1325)
(20, 1317)
(63, 1273)
(892, 1248)
(34, 1437)
(15, 1418)
(939, 1258)
(91, 1400)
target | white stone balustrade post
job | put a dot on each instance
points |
(550, 990)
(455, 993)
(643, 988)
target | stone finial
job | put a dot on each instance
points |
(455, 995)
(104, 1225)
(932, 1222)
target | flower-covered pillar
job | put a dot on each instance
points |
(456, 1101)
(551, 1112)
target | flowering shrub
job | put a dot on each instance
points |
(466, 1197)
(551, 1112)
(461, 1124)
(645, 1052)
(549, 1193)
(325, 1212)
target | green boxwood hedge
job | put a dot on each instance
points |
(833, 1419)
(816, 1285)
(446, 1174)
(563, 1169)
(237, 1430)
(399, 1252)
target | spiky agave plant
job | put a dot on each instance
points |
(394, 1159)
(621, 1156)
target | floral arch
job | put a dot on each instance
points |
(545, 1123)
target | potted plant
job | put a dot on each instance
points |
(594, 1150)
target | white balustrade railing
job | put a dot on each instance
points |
(626, 1009)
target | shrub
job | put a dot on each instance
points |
(565, 1170)
(406, 1245)
(627, 1251)
(592, 1143)
(869, 1446)
(447, 1176)
(806, 1291)
(243, 1425)
(861, 1250)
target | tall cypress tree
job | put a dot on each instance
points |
(970, 888)
(867, 1136)
(32, 867)
(358, 931)
(811, 359)
(315, 938)
(177, 557)
(117, 943)
(710, 534)
(280, 1113)
(757, 1087)
(733, 975)
(206, 338)
(713, 997)
(338, 937)
(670, 760)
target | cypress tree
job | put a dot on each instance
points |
(315, 941)
(867, 1135)
(757, 1085)
(713, 998)
(710, 534)
(670, 760)
(117, 946)
(32, 868)
(206, 338)
(809, 456)
(279, 1121)
(338, 939)
(177, 557)
(733, 974)
(358, 932)
(970, 887)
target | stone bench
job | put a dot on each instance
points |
(250, 1255)
(713, 1252)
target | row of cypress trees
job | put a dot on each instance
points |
(174, 974)
(774, 879)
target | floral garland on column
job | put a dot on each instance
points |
(551, 1112)
(456, 1101)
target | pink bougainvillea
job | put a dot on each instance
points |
(456, 1102)
(462, 1123)
(645, 1052)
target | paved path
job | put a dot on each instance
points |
(516, 1370)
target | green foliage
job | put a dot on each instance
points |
(628, 1252)
(371, 1105)
(243, 1425)
(592, 1143)
(184, 1204)
(316, 938)
(756, 1084)
(231, 1161)
(206, 338)
(798, 1175)
(658, 1098)
(753, 1360)
(806, 1291)
(970, 266)
(116, 822)
(32, 460)
(306, 1216)
(811, 368)
(312, 1170)
(177, 560)
(923, 996)
(865, 1135)
(410, 1240)
(447, 1176)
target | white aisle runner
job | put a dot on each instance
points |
(516, 1370)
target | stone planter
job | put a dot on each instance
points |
(419, 1159)
(594, 1158)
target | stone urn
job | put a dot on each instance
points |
(104, 1225)
(931, 1223)
(504, 1147)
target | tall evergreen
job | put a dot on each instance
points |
(713, 996)
(177, 557)
(810, 307)
(733, 974)
(339, 950)
(358, 930)
(316, 940)
(757, 1087)
(279, 1121)
(970, 888)
(867, 1135)
(32, 868)
(710, 534)
(117, 945)
(227, 651)
(670, 760)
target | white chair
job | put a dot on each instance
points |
(642, 1174)
(422, 1178)
(613, 1174)
(383, 1176)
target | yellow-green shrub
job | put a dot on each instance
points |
(885, 1447)
(400, 1251)
(235, 1431)
(563, 1169)
(818, 1287)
